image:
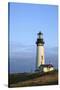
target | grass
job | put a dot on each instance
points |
(33, 79)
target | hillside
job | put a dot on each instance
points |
(33, 79)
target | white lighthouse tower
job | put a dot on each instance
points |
(40, 50)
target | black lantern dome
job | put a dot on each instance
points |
(40, 40)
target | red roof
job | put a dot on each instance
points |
(47, 65)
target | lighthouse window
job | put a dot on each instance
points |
(42, 57)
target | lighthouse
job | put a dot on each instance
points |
(40, 50)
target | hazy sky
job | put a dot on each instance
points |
(26, 20)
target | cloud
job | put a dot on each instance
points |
(21, 50)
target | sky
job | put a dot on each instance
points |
(25, 21)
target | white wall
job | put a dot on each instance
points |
(40, 52)
(45, 69)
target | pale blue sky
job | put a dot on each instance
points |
(26, 20)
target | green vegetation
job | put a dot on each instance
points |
(33, 79)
